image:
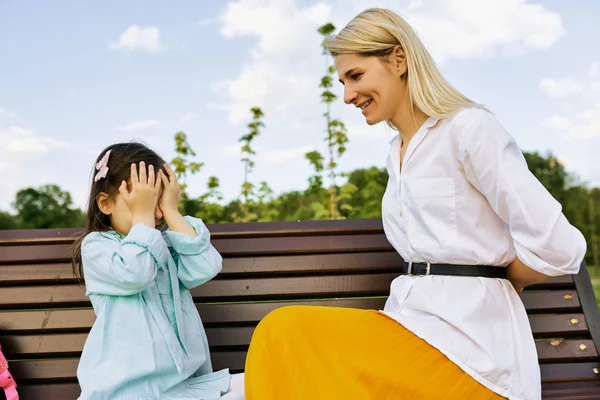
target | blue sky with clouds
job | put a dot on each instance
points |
(77, 76)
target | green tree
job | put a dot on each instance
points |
(209, 208)
(205, 206)
(8, 221)
(47, 207)
(267, 206)
(365, 200)
(247, 153)
(336, 138)
(183, 166)
(551, 173)
(579, 204)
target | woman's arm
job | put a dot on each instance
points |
(520, 275)
(546, 244)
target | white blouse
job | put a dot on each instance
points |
(464, 195)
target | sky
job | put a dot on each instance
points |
(77, 76)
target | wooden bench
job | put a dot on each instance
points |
(45, 316)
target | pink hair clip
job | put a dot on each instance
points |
(102, 167)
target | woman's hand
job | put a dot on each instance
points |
(143, 196)
(520, 275)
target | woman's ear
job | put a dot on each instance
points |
(105, 203)
(398, 60)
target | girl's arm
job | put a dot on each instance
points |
(546, 243)
(122, 268)
(196, 259)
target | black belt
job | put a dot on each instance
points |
(425, 268)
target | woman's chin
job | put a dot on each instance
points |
(371, 120)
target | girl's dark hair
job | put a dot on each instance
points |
(122, 155)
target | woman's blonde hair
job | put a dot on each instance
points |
(376, 32)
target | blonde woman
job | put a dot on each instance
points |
(473, 225)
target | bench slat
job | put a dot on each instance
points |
(67, 368)
(239, 229)
(280, 265)
(570, 372)
(49, 345)
(558, 325)
(72, 391)
(250, 313)
(221, 290)
(274, 289)
(19, 274)
(23, 253)
(39, 320)
(63, 391)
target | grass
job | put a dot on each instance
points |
(595, 277)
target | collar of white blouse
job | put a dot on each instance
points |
(412, 146)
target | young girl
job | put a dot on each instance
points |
(148, 341)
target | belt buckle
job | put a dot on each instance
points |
(427, 270)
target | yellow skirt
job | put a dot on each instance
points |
(313, 353)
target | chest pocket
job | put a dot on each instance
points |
(432, 212)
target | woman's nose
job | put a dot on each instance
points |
(349, 95)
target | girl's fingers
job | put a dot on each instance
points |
(123, 190)
(159, 180)
(142, 173)
(134, 176)
(164, 178)
(172, 177)
(151, 175)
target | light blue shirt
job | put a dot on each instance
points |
(148, 342)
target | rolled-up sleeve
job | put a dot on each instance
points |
(126, 267)
(543, 238)
(196, 259)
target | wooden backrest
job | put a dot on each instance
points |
(45, 316)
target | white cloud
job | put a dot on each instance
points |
(585, 122)
(560, 88)
(557, 122)
(280, 77)
(368, 132)
(4, 113)
(584, 125)
(594, 69)
(138, 125)
(137, 37)
(565, 161)
(286, 155)
(231, 150)
(286, 58)
(189, 116)
(28, 158)
(206, 22)
(278, 24)
(18, 140)
(483, 28)
(276, 91)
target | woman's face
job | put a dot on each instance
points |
(374, 84)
